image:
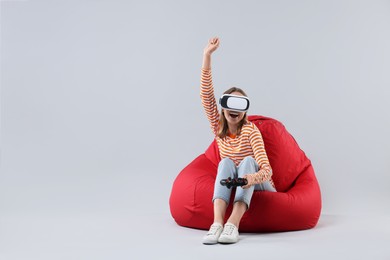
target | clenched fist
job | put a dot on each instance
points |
(211, 46)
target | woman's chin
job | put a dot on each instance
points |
(233, 120)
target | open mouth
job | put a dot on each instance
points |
(233, 114)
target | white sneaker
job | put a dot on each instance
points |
(212, 236)
(229, 234)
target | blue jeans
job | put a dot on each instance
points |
(226, 169)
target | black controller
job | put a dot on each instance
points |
(229, 182)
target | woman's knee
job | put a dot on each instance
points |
(226, 169)
(248, 160)
(248, 165)
(226, 162)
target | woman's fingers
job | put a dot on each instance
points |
(249, 180)
(212, 45)
(214, 40)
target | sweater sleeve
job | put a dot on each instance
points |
(208, 100)
(257, 143)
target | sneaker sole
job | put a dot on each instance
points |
(227, 241)
(210, 243)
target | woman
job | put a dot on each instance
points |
(242, 154)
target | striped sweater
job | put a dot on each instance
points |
(248, 143)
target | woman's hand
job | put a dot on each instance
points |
(251, 180)
(211, 46)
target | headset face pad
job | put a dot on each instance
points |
(234, 103)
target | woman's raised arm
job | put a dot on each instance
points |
(210, 48)
(206, 86)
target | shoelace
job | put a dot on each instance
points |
(228, 230)
(213, 230)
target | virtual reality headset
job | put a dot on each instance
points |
(234, 103)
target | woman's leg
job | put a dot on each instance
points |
(239, 208)
(243, 196)
(220, 207)
(226, 169)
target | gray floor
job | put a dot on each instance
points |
(116, 226)
(97, 237)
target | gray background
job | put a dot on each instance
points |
(100, 111)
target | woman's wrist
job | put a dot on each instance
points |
(206, 54)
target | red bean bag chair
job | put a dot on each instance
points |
(296, 205)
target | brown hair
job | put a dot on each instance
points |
(223, 124)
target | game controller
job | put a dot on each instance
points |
(236, 182)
